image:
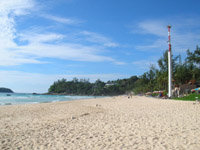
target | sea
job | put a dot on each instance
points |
(28, 98)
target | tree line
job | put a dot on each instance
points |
(183, 72)
(84, 87)
(152, 80)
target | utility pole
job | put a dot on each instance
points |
(169, 64)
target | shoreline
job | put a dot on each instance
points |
(21, 98)
(102, 123)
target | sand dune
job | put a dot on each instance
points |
(113, 123)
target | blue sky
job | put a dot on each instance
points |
(42, 41)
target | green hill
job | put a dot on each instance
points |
(5, 90)
(84, 87)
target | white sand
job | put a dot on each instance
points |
(109, 123)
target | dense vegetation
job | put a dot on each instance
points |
(5, 90)
(153, 80)
(84, 87)
(183, 72)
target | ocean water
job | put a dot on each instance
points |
(25, 98)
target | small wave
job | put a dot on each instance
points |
(14, 97)
(55, 101)
(34, 102)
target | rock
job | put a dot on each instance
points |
(8, 103)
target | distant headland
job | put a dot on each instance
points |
(5, 90)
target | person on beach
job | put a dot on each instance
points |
(130, 95)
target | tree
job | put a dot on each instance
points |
(195, 56)
(193, 63)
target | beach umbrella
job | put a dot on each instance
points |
(197, 89)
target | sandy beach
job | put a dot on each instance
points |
(112, 123)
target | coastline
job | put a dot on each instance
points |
(102, 123)
(28, 98)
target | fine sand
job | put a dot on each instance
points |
(108, 123)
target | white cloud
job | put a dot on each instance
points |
(154, 27)
(184, 34)
(8, 48)
(15, 7)
(41, 46)
(35, 82)
(74, 52)
(120, 63)
(60, 19)
(97, 38)
(157, 44)
(37, 45)
(144, 64)
(32, 37)
(10, 59)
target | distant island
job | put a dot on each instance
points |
(5, 90)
